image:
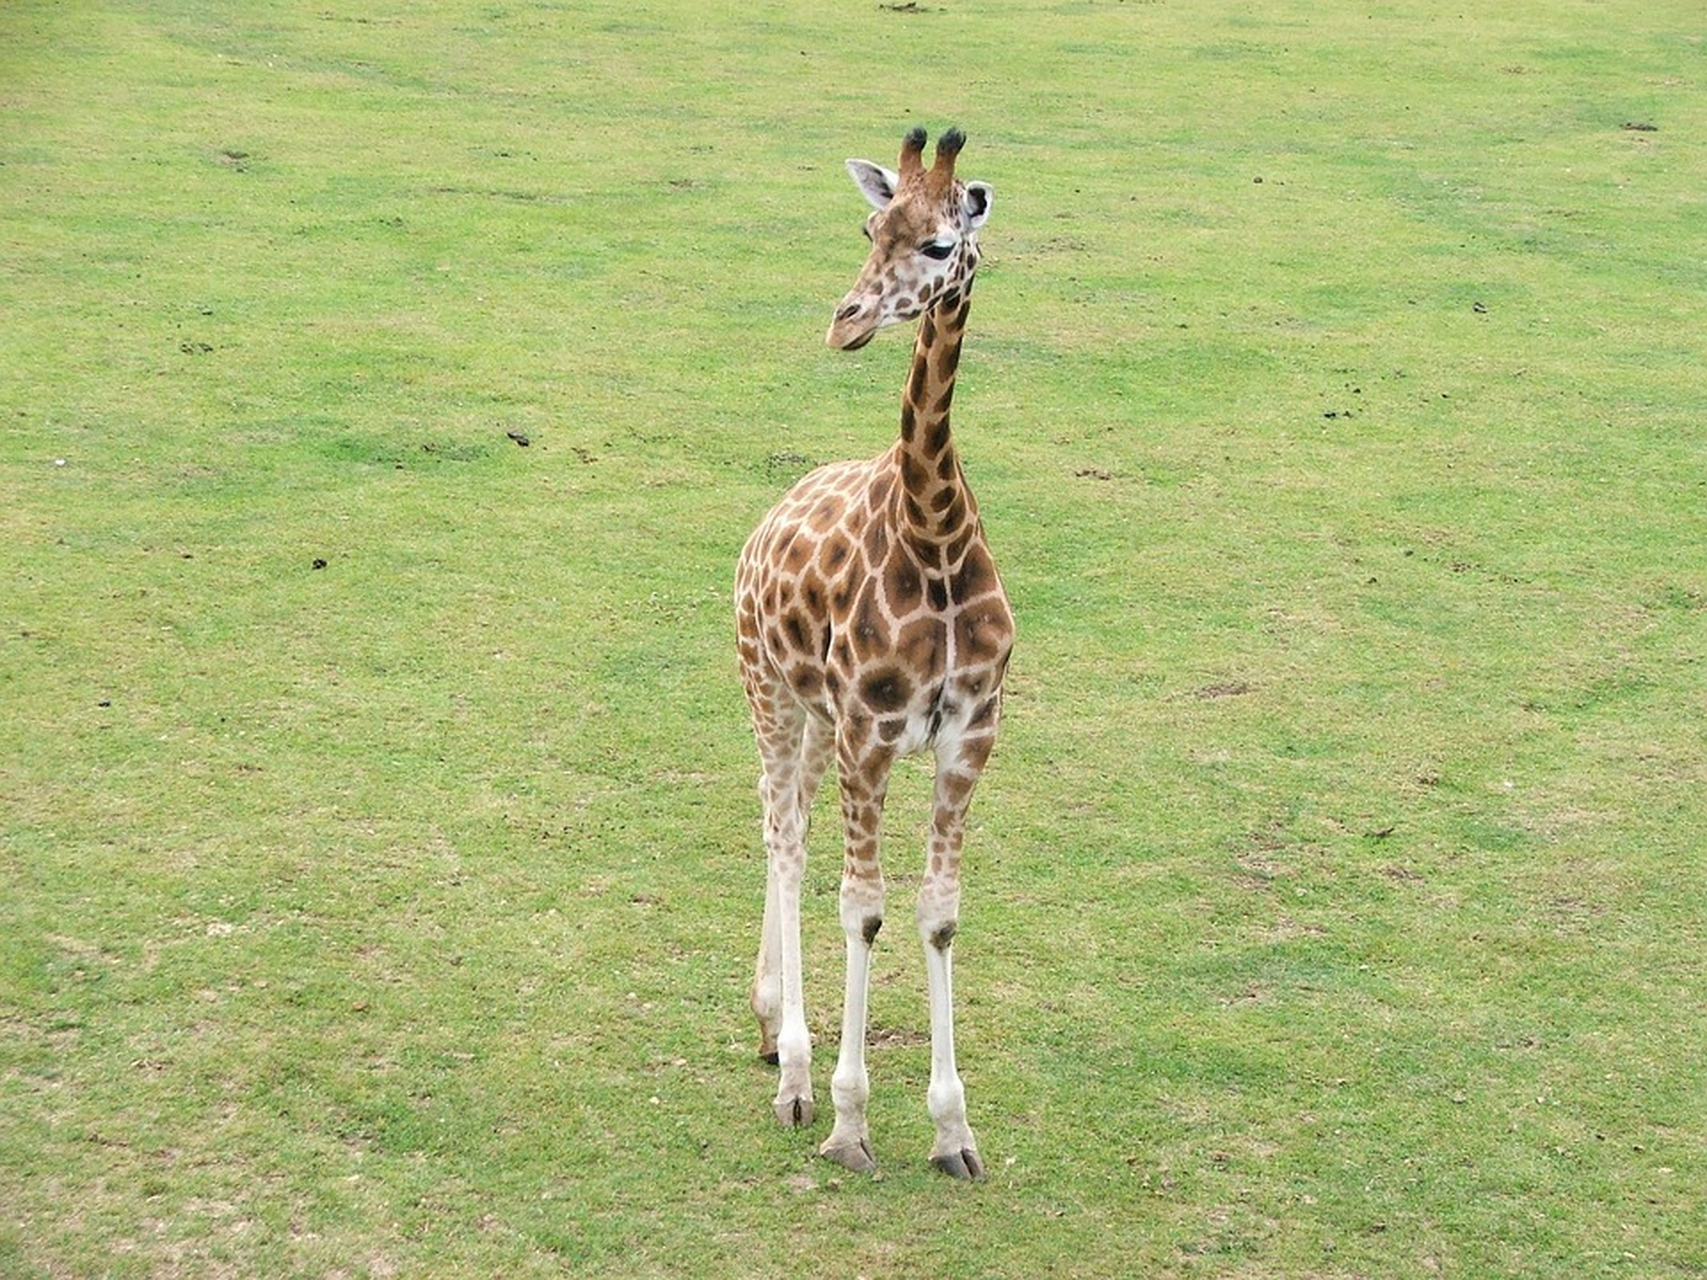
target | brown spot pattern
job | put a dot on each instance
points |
(870, 618)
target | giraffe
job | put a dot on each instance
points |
(871, 625)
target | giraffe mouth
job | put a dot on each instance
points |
(855, 323)
(851, 333)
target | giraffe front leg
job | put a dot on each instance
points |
(864, 783)
(955, 1151)
(849, 1143)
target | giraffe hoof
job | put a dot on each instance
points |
(853, 1155)
(964, 1165)
(769, 1055)
(794, 1113)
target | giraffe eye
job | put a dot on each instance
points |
(937, 251)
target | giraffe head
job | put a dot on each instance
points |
(924, 239)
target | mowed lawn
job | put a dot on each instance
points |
(385, 391)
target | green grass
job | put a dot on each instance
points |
(1335, 897)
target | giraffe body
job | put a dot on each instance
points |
(871, 625)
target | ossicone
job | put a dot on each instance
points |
(912, 152)
(947, 148)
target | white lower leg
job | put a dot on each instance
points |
(955, 1150)
(947, 1096)
(767, 975)
(793, 1042)
(850, 1087)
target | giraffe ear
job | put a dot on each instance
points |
(877, 183)
(977, 203)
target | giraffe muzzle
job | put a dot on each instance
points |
(854, 344)
(855, 324)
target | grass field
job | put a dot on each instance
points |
(380, 875)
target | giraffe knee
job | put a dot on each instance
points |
(938, 919)
(862, 906)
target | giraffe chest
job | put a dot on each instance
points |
(920, 654)
(861, 626)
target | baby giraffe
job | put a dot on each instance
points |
(872, 625)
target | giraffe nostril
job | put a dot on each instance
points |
(848, 312)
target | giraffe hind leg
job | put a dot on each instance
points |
(817, 748)
(792, 770)
(767, 978)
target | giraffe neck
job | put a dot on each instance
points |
(936, 507)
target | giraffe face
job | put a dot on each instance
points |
(924, 247)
